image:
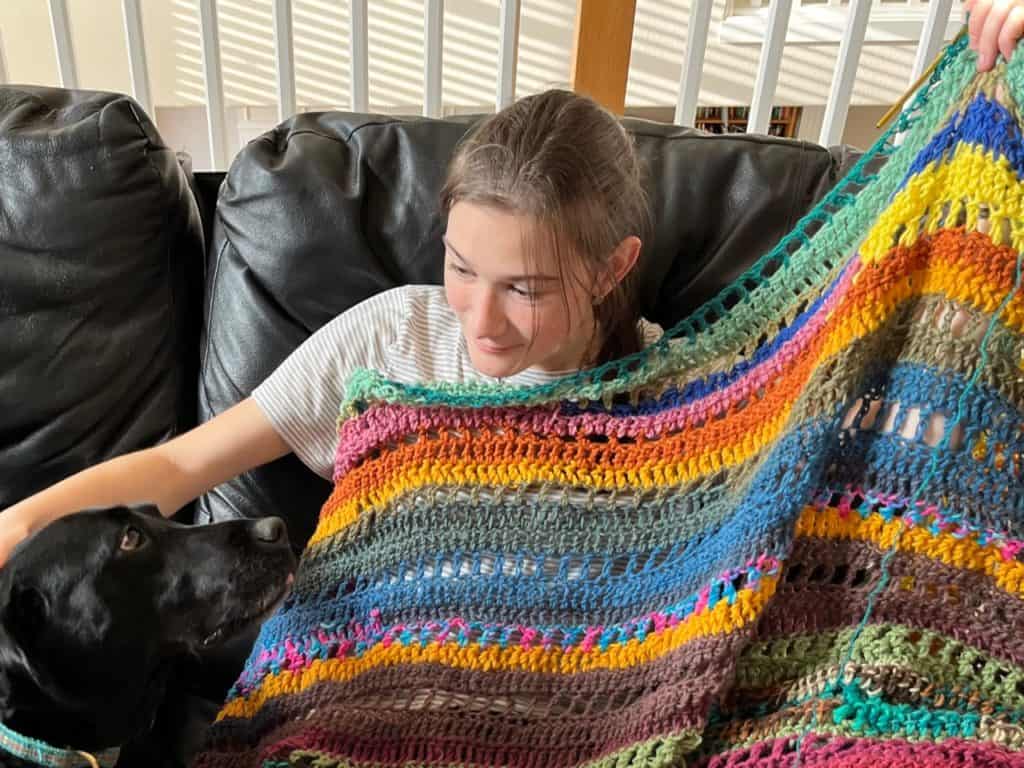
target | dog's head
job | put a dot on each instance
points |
(95, 607)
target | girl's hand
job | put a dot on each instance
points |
(994, 27)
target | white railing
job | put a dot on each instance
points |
(213, 78)
(768, 68)
(846, 71)
(3, 63)
(360, 51)
(138, 69)
(508, 53)
(60, 22)
(776, 27)
(285, 48)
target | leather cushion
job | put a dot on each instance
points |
(101, 253)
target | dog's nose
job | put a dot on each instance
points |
(270, 529)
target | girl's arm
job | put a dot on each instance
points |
(168, 475)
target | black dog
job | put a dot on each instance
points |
(96, 608)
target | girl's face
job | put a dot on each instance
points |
(515, 313)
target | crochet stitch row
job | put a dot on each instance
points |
(788, 533)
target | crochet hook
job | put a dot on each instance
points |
(895, 108)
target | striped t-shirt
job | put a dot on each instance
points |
(409, 334)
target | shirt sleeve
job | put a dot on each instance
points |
(302, 397)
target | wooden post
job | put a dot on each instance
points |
(600, 57)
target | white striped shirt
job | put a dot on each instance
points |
(409, 334)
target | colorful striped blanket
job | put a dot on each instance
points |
(788, 533)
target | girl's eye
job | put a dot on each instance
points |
(525, 292)
(457, 269)
(131, 539)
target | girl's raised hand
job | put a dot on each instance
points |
(994, 27)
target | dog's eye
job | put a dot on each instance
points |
(132, 538)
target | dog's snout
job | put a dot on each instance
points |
(270, 529)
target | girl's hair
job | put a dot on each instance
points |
(569, 165)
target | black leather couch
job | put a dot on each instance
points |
(138, 299)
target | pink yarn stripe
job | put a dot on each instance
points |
(841, 752)
(380, 424)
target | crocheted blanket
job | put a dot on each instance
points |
(789, 533)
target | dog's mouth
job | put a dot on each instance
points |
(259, 612)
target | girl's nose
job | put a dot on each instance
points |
(488, 315)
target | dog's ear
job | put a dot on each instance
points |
(10, 654)
(22, 611)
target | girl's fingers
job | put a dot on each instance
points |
(978, 11)
(1011, 31)
(988, 42)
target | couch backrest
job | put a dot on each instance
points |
(101, 263)
(329, 209)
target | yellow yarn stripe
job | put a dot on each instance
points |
(721, 619)
(958, 283)
(975, 176)
(965, 553)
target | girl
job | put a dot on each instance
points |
(545, 216)
(545, 212)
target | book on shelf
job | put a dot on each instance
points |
(784, 121)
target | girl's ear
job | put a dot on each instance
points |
(621, 262)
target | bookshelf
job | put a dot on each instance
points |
(784, 120)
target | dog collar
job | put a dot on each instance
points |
(41, 753)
